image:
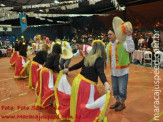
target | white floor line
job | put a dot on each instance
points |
(6, 73)
(22, 94)
(4, 66)
(136, 71)
(5, 99)
(6, 79)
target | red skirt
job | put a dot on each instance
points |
(45, 89)
(82, 102)
(62, 95)
(13, 57)
(20, 70)
(34, 73)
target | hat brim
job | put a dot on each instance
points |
(117, 29)
(66, 53)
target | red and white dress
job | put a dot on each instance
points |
(81, 102)
(21, 67)
(34, 74)
(13, 57)
(45, 88)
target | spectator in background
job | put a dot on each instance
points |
(85, 39)
(105, 40)
(141, 41)
(145, 44)
(90, 39)
(73, 40)
(136, 42)
(1, 43)
(46, 39)
(149, 40)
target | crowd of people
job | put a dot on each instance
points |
(146, 41)
(146, 46)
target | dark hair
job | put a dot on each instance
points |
(23, 50)
(111, 29)
(56, 50)
(79, 41)
(16, 46)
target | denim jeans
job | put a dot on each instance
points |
(66, 62)
(119, 86)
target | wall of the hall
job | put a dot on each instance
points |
(51, 31)
(80, 25)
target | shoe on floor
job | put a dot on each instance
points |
(115, 105)
(120, 107)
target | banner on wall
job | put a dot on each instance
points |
(23, 22)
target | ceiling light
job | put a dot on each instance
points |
(42, 18)
(49, 20)
(56, 1)
(41, 10)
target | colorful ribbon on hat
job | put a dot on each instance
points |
(58, 42)
(123, 28)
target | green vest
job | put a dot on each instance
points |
(121, 55)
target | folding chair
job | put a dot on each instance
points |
(148, 58)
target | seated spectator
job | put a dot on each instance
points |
(140, 41)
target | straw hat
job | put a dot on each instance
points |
(58, 41)
(120, 27)
(66, 54)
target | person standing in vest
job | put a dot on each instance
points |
(121, 44)
(83, 49)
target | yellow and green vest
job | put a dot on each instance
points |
(121, 55)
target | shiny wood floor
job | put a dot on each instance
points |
(15, 94)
